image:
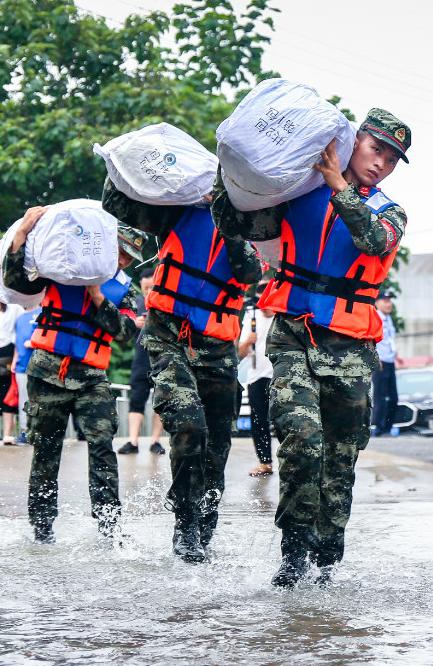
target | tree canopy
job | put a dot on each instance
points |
(69, 79)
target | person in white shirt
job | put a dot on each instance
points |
(8, 316)
(385, 396)
(252, 344)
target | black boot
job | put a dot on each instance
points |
(326, 554)
(325, 576)
(294, 550)
(208, 523)
(209, 515)
(186, 537)
(44, 533)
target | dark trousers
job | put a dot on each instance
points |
(321, 423)
(385, 397)
(196, 406)
(48, 412)
(258, 395)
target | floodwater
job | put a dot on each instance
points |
(76, 602)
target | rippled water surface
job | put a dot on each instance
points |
(76, 602)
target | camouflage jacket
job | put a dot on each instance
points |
(159, 220)
(45, 365)
(374, 235)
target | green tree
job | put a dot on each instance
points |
(67, 80)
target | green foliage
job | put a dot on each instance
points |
(335, 100)
(392, 284)
(220, 47)
(68, 80)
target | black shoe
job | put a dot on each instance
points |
(157, 448)
(325, 576)
(290, 572)
(186, 540)
(208, 523)
(112, 536)
(128, 448)
(44, 533)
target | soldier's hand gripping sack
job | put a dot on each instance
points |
(74, 243)
(267, 147)
(7, 295)
(159, 165)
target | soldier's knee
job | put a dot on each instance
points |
(192, 428)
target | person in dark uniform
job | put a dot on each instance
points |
(385, 396)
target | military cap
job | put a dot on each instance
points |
(131, 240)
(385, 293)
(384, 126)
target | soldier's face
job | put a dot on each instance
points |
(372, 160)
(124, 259)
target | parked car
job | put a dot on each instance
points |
(415, 400)
(415, 403)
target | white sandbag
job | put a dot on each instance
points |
(10, 295)
(160, 165)
(75, 243)
(267, 147)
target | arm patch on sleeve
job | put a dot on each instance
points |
(391, 235)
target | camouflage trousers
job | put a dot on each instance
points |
(48, 410)
(196, 405)
(321, 423)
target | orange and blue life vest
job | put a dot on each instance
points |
(322, 274)
(194, 280)
(65, 325)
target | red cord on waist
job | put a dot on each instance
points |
(63, 369)
(305, 318)
(185, 333)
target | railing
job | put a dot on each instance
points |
(122, 406)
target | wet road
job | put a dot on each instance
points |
(411, 446)
(76, 603)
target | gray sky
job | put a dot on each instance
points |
(374, 53)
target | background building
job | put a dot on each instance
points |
(415, 305)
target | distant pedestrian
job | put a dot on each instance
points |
(24, 327)
(252, 344)
(8, 316)
(385, 396)
(140, 382)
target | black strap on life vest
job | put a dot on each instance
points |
(231, 290)
(340, 287)
(53, 319)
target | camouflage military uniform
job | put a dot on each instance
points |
(195, 381)
(85, 393)
(319, 399)
(320, 408)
